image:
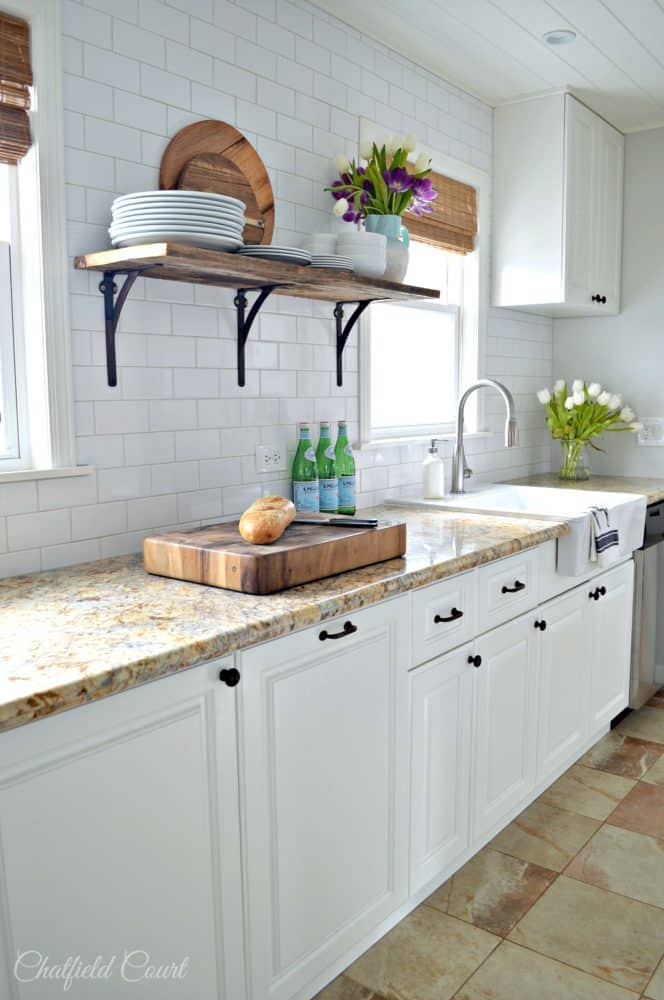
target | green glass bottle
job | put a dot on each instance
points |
(328, 480)
(345, 471)
(306, 496)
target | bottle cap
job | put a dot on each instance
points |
(433, 448)
(304, 427)
(342, 423)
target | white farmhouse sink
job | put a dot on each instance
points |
(627, 512)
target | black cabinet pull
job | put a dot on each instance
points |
(541, 625)
(515, 589)
(475, 661)
(454, 614)
(602, 591)
(594, 595)
(348, 629)
(599, 298)
(230, 676)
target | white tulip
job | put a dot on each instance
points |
(636, 426)
(577, 385)
(569, 403)
(604, 398)
(410, 142)
(366, 149)
(544, 396)
(559, 385)
(392, 143)
(615, 402)
(594, 390)
(579, 398)
(627, 414)
(341, 163)
(422, 163)
(340, 207)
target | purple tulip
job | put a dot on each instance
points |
(424, 190)
(398, 180)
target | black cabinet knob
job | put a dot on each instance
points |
(594, 594)
(452, 617)
(541, 625)
(475, 661)
(602, 591)
(230, 676)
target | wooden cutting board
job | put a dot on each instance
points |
(213, 156)
(218, 556)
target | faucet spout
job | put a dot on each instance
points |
(459, 470)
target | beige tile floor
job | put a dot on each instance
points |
(566, 903)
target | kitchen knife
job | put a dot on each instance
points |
(338, 522)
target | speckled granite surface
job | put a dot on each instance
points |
(653, 489)
(72, 636)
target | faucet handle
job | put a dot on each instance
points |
(467, 473)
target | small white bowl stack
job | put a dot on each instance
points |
(368, 252)
(323, 250)
(198, 218)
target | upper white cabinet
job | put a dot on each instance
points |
(557, 226)
(324, 721)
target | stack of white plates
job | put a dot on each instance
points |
(286, 255)
(320, 243)
(195, 217)
(332, 260)
(368, 252)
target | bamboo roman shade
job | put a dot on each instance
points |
(452, 224)
(15, 79)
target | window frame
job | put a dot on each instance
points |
(42, 298)
(474, 310)
(414, 431)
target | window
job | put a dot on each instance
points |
(416, 357)
(36, 420)
(10, 375)
(413, 351)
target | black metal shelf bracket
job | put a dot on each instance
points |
(343, 332)
(112, 309)
(244, 324)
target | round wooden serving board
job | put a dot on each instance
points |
(213, 156)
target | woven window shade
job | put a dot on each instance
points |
(453, 223)
(15, 79)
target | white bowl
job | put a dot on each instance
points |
(320, 243)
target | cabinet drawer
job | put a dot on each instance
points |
(506, 589)
(444, 616)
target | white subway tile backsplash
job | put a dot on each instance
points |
(175, 442)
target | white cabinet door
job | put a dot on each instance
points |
(610, 627)
(580, 202)
(609, 153)
(441, 722)
(324, 751)
(564, 680)
(505, 720)
(120, 838)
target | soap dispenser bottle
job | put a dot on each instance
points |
(433, 474)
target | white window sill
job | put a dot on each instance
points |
(419, 439)
(21, 475)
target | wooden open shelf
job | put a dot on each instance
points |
(178, 262)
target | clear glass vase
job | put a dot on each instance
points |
(574, 465)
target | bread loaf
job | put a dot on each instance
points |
(266, 520)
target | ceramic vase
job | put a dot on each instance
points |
(398, 241)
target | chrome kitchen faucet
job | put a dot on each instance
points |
(460, 470)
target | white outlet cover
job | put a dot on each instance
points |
(652, 434)
(270, 458)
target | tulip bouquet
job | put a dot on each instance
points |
(576, 415)
(382, 186)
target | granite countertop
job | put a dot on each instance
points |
(652, 489)
(74, 635)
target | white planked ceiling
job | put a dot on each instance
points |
(494, 48)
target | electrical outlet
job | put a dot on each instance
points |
(270, 458)
(652, 433)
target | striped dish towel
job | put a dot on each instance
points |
(602, 536)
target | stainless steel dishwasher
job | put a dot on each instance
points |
(648, 594)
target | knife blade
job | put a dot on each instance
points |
(338, 522)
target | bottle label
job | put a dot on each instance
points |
(348, 450)
(329, 451)
(306, 497)
(346, 491)
(310, 454)
(329, 495)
